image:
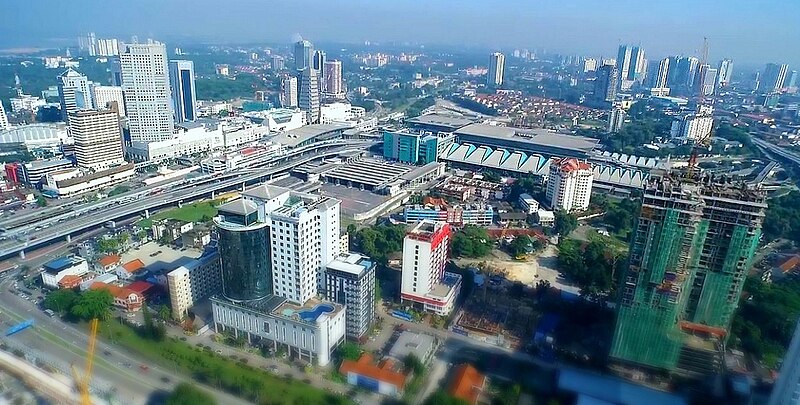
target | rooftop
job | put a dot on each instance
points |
(372, 172)
(96, 175)
(306, 133)
(238, 207)
(386, 370)
(568, 165)
(118, 292)
(445, 120)
(264, 192)
(133, 266)
(534, 137)
(467, 383)
(109, 260)
(310, 312)
(57, 265)
(352, 263)
(414, 343)
(426, 229)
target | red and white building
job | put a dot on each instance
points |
(424, 280)
(569, 185)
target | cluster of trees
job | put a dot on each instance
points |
(565, 223)
(766, 319)
(214, 88)
(783, 218)
(523, 244)
(736, 134)
(118, 190)
(113, 244)
(620, 215)
(188, 394)
(420, 105)
(526, 185)
(379, 242)
(589, 265)
(471, 241)
(86, 306)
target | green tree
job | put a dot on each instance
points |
(520, 245)
(443, 398)
(119, 190)
(60, 301)
(123, 238)
(565, 223)
(41, 201)
(471, 241)
(93, 304)
(164, 313)
(349, 351)
(187, 394)
(108, 245)
(413, 363)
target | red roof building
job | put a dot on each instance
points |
(133, 266)
(467, 384)
(140, 287)
(123, 297)
(69, 281)
(385, 377)
(108, 262)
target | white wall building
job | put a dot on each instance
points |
(693, 127)
(333, 79)
(278, 119)
(569, 184)
(145, 85)
(335, 112)
(424, 280)
(241, 158)
(103, 95)
(528, 203)
(98, 138)
(74, 92)
(192, 282)
(350, 281)
(26, 102)
(4, 125)
(308, 100)
(497, 66)
(53, 271)
(70, 182)
(46, 136)
(289, 98)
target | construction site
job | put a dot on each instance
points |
(494, 316)
(693, 245)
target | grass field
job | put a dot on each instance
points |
(209, 368)
(194, 212)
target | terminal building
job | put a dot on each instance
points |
(437, 122)
(529, 141)
(379, 176)
(416, 148)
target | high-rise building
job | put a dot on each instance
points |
(632, 66)
(569, 185)
(690, 251)
(289, 92)
(693, 127)
(424, 280)
(791, 80)
(3, 118)
(73, 92)
(333, 79)
(605, 85)
(350, 281)
(497, 67)
(245, 251)
(787, 389)
(278, 63)
(662, 74)
(98, 138)
(615, 119)
(707, 80)
(309, 95)
(303, 54)
(590, 65)
(181, 80)
(774, 77)
(104, 96)
(107, 47)
(318, 63)
(192, 282)
(725, 72)
(145, 86)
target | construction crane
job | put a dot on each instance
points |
(704, 140)
(83, 381)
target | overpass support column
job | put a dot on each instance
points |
(147, 213)
(213, 195)
(180, 204)
(69, 238)
(22, 254)
(242, 186)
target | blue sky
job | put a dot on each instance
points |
(749, 31)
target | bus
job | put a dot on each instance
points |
(50, 312)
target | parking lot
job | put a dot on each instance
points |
(161, 258)
(354, 201)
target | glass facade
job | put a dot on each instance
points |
(246, 270)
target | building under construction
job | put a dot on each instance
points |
(690, 251)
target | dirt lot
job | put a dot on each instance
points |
(529, 272)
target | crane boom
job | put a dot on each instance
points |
(83, 381)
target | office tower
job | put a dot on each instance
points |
(569, 185)
(632, 66)
(693, 127)
(682, 73)
(590, 65)
(244, 250)
(791, 80)
(350, 281)
(115, 68)
(181, 80)
(289, 92)
(145, 86)
(690, 251)
(706, 80)
(303, 55)
(615, 119)
(88, 44)
(73, 92)
(773, 77)
(108, 47)
(98, 138)
(497, 66)
(787, 389)
(104, 96)
(333, 79)
(424, 281)
(278, 63)
(605, 85)
(318, 63)
(3, 118)
(663, 73)
(725, 72)
(309, 95)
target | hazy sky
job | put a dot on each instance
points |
(750, 31)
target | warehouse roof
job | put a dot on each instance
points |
(534, 137)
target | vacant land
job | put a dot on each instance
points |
(195, 212)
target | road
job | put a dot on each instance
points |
(60, 345)
(80, 219)
(784, 153)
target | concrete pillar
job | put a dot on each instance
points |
(22, 254)
(216, 330)
(236, 333)
(213, 195)
(249, 341)
(69, 238)
(147, 213)
(180, 204)
(242, 186)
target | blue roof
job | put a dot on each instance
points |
(613, 390)
(60, 264)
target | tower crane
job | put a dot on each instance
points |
(83, 381)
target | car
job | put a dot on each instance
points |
(165, 379)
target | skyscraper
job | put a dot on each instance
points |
(605, 85)
(569, 185)
(278, 63)
(309, 95)
(73, 92)
(98, 138)
(289, 92)
(303, 54)
(791, 80)
(333, 79)
(145, 85)
(3, 118)
(787, 389)
(773, 77)
(181, 80)
(497, 67)
(318, 63)
(706, 80)
(662, 74)
(350, 281)
(632, 66)
(424, 279)
(725, 72)
(690, 251)
(103, 96)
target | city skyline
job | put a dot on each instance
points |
(751, 40)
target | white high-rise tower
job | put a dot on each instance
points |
(497, 66)
(145, 85)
